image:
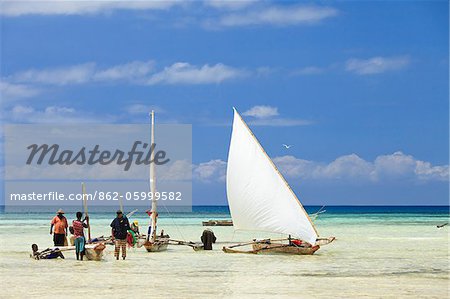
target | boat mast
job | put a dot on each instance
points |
(83, 188)
(153, 178)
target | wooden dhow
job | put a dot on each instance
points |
(260, 199)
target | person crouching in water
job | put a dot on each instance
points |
(78, 226)
(119, 231)
(45, 254)
(135, 227)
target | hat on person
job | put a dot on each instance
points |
(60, 211)
(135, 222)
(119, 212)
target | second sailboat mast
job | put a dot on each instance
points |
(153, 179)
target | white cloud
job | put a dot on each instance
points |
(179, 170)
(229, 4)
(76, 74)
(294, 167)
(211, 171)
(279, 16)
(133, 71)
(264, 71)
(351, 168)
(51, 114)
(261, 111)
(10, 91)
(137, 72)
(142, 109)
(185, 73)
(396, 166)
(425, 171)
(84, 73)
(280, 122)
(308, 70)
(376, 65)
(269, 116)
(12, 8)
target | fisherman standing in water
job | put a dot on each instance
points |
(78, 233)
(119, 231)
(59, 222)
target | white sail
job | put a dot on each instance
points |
(258, 196)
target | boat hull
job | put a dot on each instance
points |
(157, 246)
(95, 253)
(274, 248)
(217, 223)
(271, 247)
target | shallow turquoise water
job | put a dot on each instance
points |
(379, 252)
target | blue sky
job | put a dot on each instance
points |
(359, 88)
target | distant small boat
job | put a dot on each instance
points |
(218, 223)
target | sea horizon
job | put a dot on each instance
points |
(206, 208)
(374, 244)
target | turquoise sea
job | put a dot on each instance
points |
(380, 252)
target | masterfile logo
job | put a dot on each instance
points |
(53, 155)
(113, 160)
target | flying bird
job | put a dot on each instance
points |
(287, 146)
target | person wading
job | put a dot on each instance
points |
(78, 233)
(208, 238)
(119, 230)
(59, 223)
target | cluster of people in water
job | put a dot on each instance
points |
(123, 234)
